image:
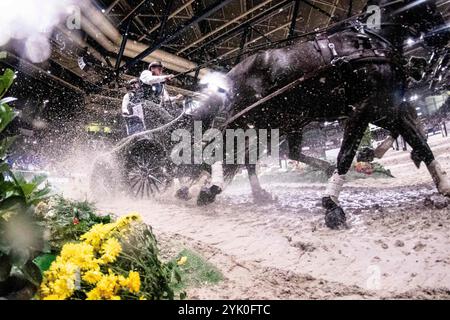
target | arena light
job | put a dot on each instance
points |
(32, 22)
(410, 42)
(216, 82)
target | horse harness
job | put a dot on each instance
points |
(331, 52)
(364, 47)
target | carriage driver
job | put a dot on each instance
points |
(155, 96)
(132, 108)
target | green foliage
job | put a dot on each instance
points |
(68, 220)
(21, 240)
(44, 261)
(21, 234)
(6, 116)
(12, 185)
(6, 80)
(6, 113)
(195, 272)
(366, 140)
(140, 253)
(379, 169)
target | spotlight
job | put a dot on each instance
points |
(410, 42)
(216, 82)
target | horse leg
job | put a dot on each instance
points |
(422, 152)
(408, 113)
(259, 194)
(207, 194)
(388, 143)
(384, 146)
(295, 153)
(353, 133)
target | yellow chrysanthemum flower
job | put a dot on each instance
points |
(82, 262)
(106, 288)
(110, 250)
(182, 261)
(134, 282)
(59, 282)
(80, 254)
(94, 294)
(92, 276)
(52, 297)
(124, 222)
(98, 234)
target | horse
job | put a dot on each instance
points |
(354, 71)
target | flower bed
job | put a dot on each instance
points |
(113, 261)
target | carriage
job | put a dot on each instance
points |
(140, 165)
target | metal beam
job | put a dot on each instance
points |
(294, 18)
(127, 21)
(178, 32)
(233, 32)
(133, 12)
(312, 5)
(173, 15)
(108, 10)
(123, 44)
(43, 75)
(332, 17)
(165, 17)
(350, 9)
(244, 39)
(181, 17)
(260, 33)
(256, 39)
(234, 20)
(330, 5)
(137, 22)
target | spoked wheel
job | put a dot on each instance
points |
(104, 180)
(146, 173)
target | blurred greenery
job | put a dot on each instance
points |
(140, 253)
(21, 234)
(194, 271)
(67, 220)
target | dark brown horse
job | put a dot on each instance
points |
(354, 71)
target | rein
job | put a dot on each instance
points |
(265, 99)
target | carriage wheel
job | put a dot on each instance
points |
(146, 172)
(104, 180)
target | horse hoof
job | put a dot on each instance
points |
(444, 187)
(335, 218)
(183, 194)
(445, 192)
(208, 195)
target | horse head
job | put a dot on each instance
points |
(215, 89)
